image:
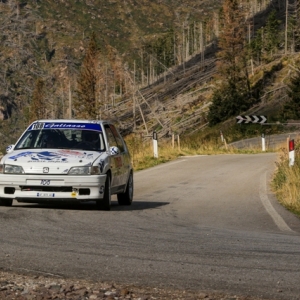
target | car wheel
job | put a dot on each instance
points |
(127, 197)
(6, 202)
(105, 203)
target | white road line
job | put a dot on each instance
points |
(161, 166)
(268, 206)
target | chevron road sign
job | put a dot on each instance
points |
(251, 119)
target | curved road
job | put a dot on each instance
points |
(207, 223)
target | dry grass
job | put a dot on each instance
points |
(142, 153)
(286, 181)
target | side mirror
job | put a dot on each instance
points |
(114, 150)
(10, 148)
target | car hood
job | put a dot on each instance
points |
(50, 161)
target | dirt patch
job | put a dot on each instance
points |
(30, 287)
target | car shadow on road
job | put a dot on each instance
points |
(90, 206)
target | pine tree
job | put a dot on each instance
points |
(233, 95)
(256, 46)
(232, 41)
(271, 36)
(291, 109)
(294, 26)
(37, 107)
(86, 104)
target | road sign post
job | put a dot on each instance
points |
(155, 146)
(263, 142)
(291, 153)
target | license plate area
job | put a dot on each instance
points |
(46, 195)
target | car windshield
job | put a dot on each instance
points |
(79, 139)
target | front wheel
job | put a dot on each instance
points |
(6, 202)
(127, 197)
(105, 203)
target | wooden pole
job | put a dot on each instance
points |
(173, 140)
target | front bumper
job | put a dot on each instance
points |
(43, 188)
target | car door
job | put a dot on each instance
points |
(125, 159)
(116, 161)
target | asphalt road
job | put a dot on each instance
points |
(206, 223)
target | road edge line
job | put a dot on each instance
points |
(278, 220)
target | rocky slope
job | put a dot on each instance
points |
(29, 287)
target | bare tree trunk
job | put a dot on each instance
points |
(174, 49)
(201, 44)
(286, 27)
(70, 100)
(133, 106)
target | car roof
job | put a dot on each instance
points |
(72, 121)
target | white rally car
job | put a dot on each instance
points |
(67, 160)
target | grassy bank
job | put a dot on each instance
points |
(286, 181)
(142, 153)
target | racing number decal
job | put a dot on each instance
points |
(38, 126)
(45, 182)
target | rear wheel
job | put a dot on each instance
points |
(6, 202)
(127, 197)
(105, 203)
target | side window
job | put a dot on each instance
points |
(118, 138)
(111, 139)
(27, 140)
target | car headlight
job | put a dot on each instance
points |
(11, 169)
(84, 171)
(95, 170)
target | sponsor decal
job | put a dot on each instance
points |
(101, 165)
(64, 125)
(8, 148)
(53, 156)
(73, 194)
(114, 150)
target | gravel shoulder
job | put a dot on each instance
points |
(29, 287)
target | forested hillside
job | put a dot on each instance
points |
(169, 66)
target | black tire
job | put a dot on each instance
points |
(105, 203)
(127, 197)
(6, 202)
